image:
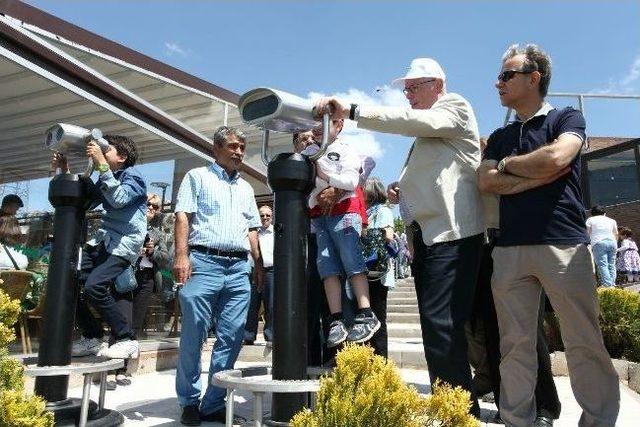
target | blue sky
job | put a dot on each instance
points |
(353, 48)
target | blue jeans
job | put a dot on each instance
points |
(339, 247)
(604, 255)
(218, 287)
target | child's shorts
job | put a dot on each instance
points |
(339, 247)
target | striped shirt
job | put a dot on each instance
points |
(223, 208)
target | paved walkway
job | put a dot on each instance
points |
(150, 400)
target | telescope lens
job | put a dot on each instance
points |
(262, 107)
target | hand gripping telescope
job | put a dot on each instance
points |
(70, 139)
(280, 111)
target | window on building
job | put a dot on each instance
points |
(614, 179)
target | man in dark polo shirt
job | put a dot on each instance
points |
(534, 165)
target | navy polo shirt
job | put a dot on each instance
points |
(552, 214)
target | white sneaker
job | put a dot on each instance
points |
(87, 347)
(128, 349)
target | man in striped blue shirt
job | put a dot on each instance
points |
(216, 227)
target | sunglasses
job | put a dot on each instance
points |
(507, 75)
(152, 205)
(265, 216)
(413, 89)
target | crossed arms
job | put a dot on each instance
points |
(531, 170)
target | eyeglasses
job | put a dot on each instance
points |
(265, 216)
(413, 89)
(153, 205)
(507, 75)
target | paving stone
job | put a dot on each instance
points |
(634, 377)
(622, 368)
(150, 400)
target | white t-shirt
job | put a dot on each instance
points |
(6, 263)
(342, 165)
(600, 228)
(265, 237)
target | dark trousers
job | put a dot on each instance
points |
(266, 298)
(99, 270)
(378, 299)
(141, 297)
(445, 280)
(547, 401)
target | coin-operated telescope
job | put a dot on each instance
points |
(291, 176)
(72, 140)
(275, 110)
(69, 195)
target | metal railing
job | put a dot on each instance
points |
(580, 98)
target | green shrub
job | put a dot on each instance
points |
(11, 374)
(365, 390)
(9, 312)
(620, 322)
(16, 409)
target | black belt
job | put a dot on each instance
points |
(218, 252)
(268, 268)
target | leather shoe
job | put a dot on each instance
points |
(543, 422)
(190, 416)
(220, 416)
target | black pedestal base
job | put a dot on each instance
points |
(67, 414)
(272, 423)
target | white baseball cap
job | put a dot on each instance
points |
(422, 68)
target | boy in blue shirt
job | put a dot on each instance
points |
(121, 191)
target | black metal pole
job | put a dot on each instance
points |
(291, 179)
(67, 193)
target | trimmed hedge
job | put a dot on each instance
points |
(16, 408)
(365, 390)
(619, 321)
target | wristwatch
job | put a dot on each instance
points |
(102, 167)
(502, 164)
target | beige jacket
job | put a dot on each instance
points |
(439, 178)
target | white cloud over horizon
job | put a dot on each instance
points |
(172, 48)
(364, 141)
(628, 83)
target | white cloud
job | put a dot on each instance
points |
(173, 48)
(629, 83)
(364, 141)
(633, 75)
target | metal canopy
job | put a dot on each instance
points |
(31, 99)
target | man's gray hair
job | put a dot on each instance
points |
(535, 60)
(222, 134)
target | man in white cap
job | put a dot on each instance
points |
(438, 184)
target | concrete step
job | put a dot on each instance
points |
(402, 308)
(401, 300)
(404, 330)
(404, 285)
(403, 318)
(405, 353)
(401, 294)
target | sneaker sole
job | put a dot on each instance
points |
(338, 342)
(368, 336)
(86, 353)
(131, 356)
